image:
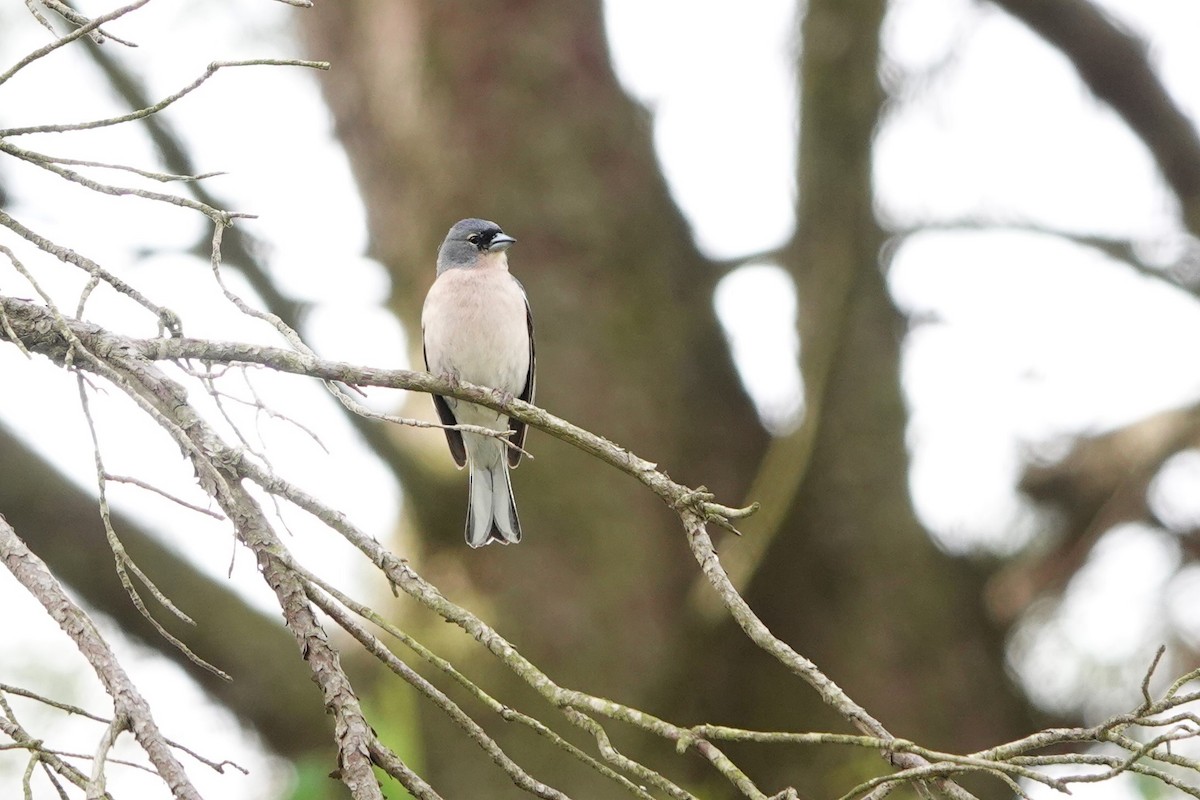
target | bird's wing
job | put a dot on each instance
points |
(518, 428)
(458, 451)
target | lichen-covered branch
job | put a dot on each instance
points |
(128, 704)
(131, 362)
(230, 474)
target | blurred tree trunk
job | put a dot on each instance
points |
(850, 577)
(1116, 65)
(515, 115)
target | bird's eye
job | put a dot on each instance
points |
(473, 238)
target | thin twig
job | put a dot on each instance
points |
(69, 256)
(141, 113)
(161, 177)
(125, 563)
(95, 788)
(361, 410)
(83, 30)
(1149, 701)
(372, 645)
(216, 766)
(37, 159)
(51, 762)
(507, 713)
(695, 507)
(31, 572)
(108, 476)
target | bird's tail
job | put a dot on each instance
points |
(492, 511)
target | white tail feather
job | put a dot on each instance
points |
(492, 511)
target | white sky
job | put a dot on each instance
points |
(1034, 338)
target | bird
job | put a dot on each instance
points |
(476, 327)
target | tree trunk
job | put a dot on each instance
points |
(850, 577)
(514, 115)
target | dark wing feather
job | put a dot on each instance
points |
(516, 426)
(458, 451)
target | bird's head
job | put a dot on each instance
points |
(472, 242)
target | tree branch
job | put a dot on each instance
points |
(150, 110)
(1114, 63)
(34, 326)
(1103, 481)
(129, 363)
(128, 703)
(79, 32)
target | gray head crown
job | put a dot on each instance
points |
(468, 240)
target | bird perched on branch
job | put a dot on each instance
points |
(477, 328)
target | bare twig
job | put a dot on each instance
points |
(83, 30)
(361, 410)
(141, 113)
(376, 648)
(95, 788)
(164, 401)
(108, 476)
(695, 507)
(128, 703)
(125, 563)
(507, 713)
(53, 165)
(161, 177)
(51, 761)
(71, 15)
(216, 766)
(43, 333)
(165, 316)
(1162, 649)
(1178, 275)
